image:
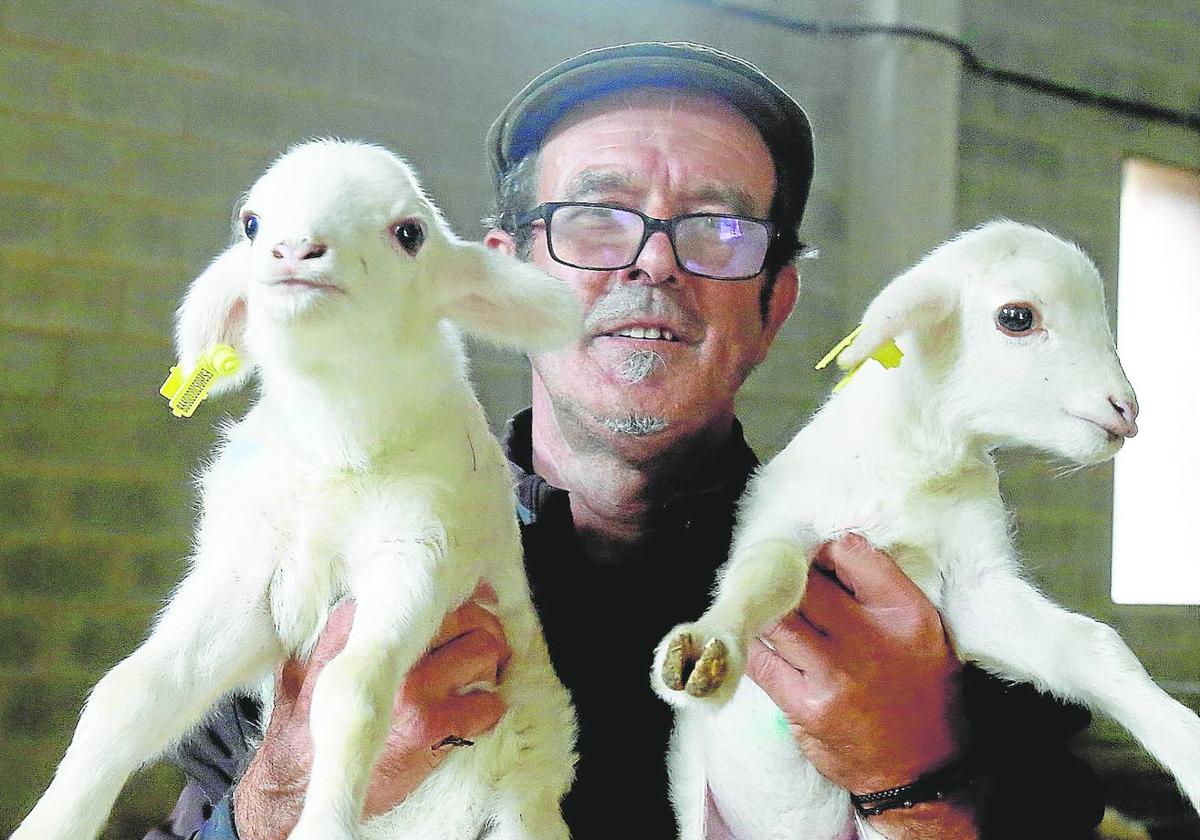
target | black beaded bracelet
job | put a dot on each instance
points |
(929, 788)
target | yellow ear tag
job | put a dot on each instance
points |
(887, 354)
(185, 392)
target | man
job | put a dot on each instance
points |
(666, 183)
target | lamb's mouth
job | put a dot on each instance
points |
(303, 283)
(1111, 435)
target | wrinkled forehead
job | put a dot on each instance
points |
(337, 179)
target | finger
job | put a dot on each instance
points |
(465, 716)
(469, 617)
(474, 714)
(296, 680)
(827, 605)
(822, 563)
(485, 594)
(781, 681)
(334, 634)
(871, 575)
(289, 682)
(467, 660)
(794, 639)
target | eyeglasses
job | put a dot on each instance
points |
(601, 237)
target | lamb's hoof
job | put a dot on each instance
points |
(698, 671)
(677, 664)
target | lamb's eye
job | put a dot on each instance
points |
(250, 226)
(410, 234)
(1016, 318)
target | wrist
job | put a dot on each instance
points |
(943, 804)
(266, 803)
(954, 817)
(928, 787)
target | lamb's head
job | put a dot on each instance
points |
(337, 246)
(1009, 324)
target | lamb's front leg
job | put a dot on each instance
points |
(703, 661)
(403, 589)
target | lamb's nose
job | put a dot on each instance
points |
(296, 250)
(1127, 411)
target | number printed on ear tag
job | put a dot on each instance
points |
(185, 393)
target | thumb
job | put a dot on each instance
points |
(289, 683)
(870, 575)
(297, 679)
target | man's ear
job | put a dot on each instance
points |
(783, 300)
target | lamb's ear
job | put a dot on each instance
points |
(214, 312)
(922, 297)
(506, 301)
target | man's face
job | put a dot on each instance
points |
(663, 154)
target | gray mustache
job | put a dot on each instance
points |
(629, 301)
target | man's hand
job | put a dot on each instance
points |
(469, 649)
(864, 674)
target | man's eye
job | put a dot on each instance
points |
(723, 228)
(592, 217)
(597, 227)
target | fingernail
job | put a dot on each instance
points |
(767, 643)
(855, 542)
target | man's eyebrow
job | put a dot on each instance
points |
(592, 182)
(736, 199)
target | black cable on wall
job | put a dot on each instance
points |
(972, 63)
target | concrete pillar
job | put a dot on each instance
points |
(904, 139)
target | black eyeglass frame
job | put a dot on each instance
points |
(650, 226)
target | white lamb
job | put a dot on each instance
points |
(1007, 344)
(366, 469)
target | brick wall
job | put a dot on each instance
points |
(127, 129)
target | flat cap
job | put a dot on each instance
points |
(528, 118)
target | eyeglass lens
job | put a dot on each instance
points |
(609, 237)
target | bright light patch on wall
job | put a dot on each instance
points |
(1156, 559)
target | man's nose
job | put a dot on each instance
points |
(656, 263)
